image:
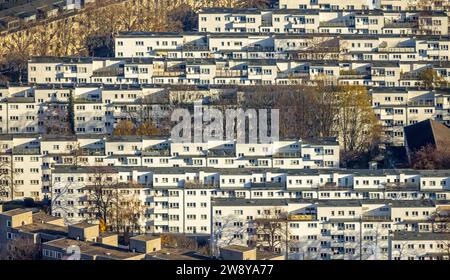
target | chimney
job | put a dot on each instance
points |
(373, 165)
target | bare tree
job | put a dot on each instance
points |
(441, 225)
(20, 248)
(55, 120)
(271, 231)
(126, 211)
(429, 157)
(100, 196)
(7, 186)
(227, 230)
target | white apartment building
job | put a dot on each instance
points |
(25, 109)
(191, 45)
(333, 229)
(367, 72)
(166, 188)
(330, 4)
(32, 157)
(399, 107)
(420, 246)
(304, 21)
(386, 5)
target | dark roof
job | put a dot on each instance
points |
(427, 132)
(410, 235)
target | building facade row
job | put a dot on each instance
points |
(304, 21)
(387, 5)
(31, 159)
(97, 108)
(335, 214)
(251, 45)
(209, 71)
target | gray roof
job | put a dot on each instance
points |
(250, 202)
(410, 235)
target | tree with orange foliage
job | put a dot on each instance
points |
(124, 127)
(147, 128)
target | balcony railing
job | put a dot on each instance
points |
(292, 75)
(168, 73)
(155, 152)
(396, 49)
(231, 73)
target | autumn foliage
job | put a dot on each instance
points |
(127, 127)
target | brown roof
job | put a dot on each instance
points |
(427, 132)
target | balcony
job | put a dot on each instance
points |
(259, 49)
(166, 73)
(92, 152)
(401, 187)
(231, 73)
(292, 75)
(192, 47)
(266, 23)
(340, 23)
(396, 50)
(375, 218)
(401, 24)
(302, 217)
(155, 152)
(418, 103)
(262, 185)
(26, 151)
(332, 186)
(85, 100)
(195, 184)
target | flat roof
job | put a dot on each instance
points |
(249, 171)
(175, 254)
(83, 225)
(145, 237)
(16, 211)
(237, 248)
(410, 235)
(41, 217)
(249, 202)
(43, 228)
(93, 249)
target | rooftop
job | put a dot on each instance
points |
(43, 228)
(145, 237)
(175, 254)
(94, 249)
(17, 211)
(410, 235)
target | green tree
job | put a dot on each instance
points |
(71, 113)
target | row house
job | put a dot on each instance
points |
(369, 72)
(330, 4)
(181, 197)
(301, 21)
(280, 46)
(386, 5)
(31, 158)
(333, 229)
(30, 109)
